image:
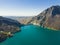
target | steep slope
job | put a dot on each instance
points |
(8, 27)
(48, 18)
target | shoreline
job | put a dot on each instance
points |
(47, 27)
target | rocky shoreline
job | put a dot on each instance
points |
(5, 35)
(37, 24)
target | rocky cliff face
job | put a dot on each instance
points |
(48, 18)
(8, 27)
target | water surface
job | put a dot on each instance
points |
(34, 35)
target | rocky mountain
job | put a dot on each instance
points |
(8, 27)
(48, 18)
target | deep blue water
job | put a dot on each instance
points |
(34, 35)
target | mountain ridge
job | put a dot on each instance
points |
(48, 18)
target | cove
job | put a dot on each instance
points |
(34, 35)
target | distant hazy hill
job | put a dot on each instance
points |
(48, 18)
(21, 19)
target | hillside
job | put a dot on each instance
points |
(48, 18)
(8, 27)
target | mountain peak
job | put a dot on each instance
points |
(55, 6)
(56, 10)
(52, 11)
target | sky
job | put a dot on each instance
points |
(25, 7)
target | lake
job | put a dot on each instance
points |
(34, 35)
